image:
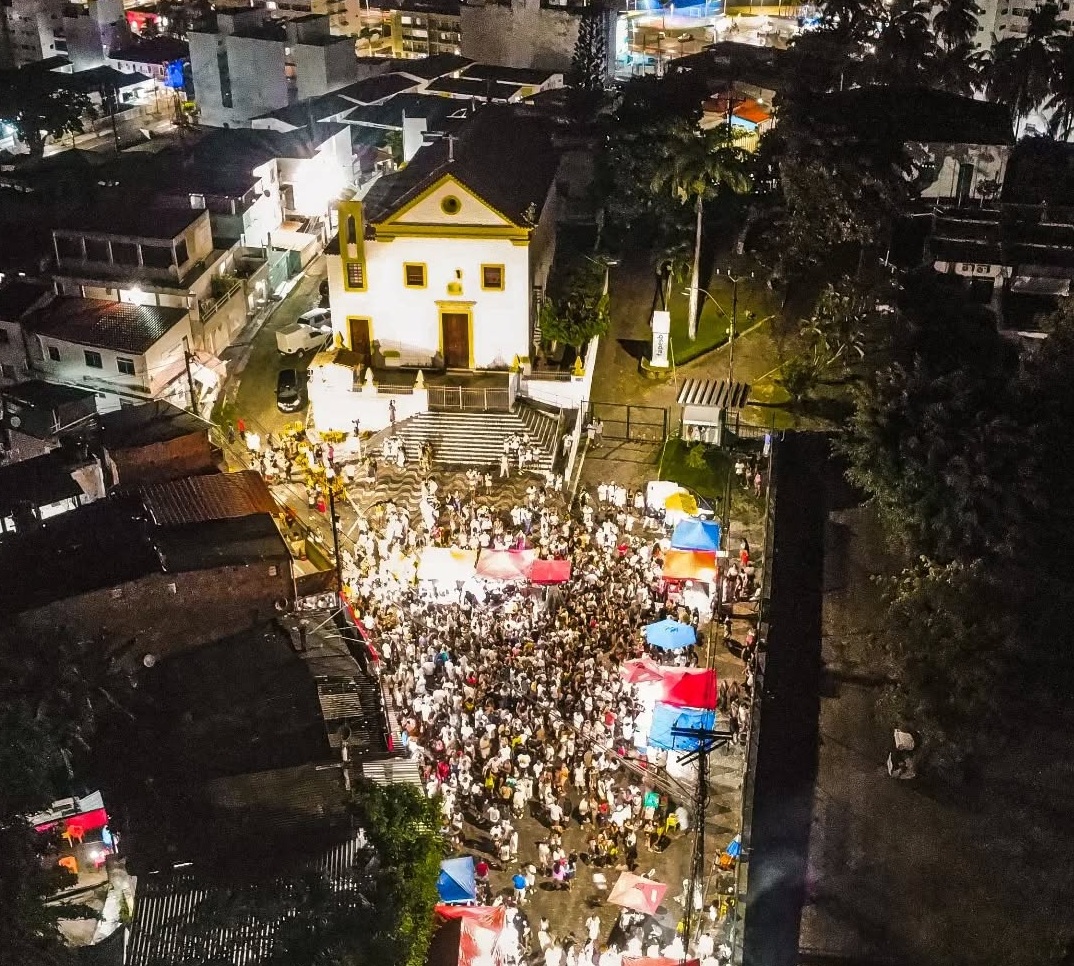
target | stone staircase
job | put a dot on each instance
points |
(476, 439)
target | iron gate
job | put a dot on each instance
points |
(646, 424)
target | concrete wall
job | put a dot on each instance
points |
(167, 614)
(14, 366)
(256, 72)
(942, 162)
(324, 67)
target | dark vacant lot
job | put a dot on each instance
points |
(920, 872)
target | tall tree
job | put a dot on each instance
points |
(904, 44)
(701, 165)
(1023, 67)
(38, 108)
(590, 61)
(959, 69)
(1060, 102)
(956, 22)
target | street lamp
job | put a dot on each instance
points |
(734, 279)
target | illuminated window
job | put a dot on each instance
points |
(450, 205)
(414, 275)
(355, 275)
(492, 277)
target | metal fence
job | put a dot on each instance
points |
(629, 422)
(458, 399)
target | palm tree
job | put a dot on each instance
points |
(1022, 67)
(1061, 100)
(959, 69)
(905, 44)
(955, 22)
(701, 164)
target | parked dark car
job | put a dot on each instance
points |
(288, 391)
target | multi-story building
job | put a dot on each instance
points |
(529, 33)
(18, 298)
(164, 59)
(156, 257)
(249, 63)
(94, 31)
(30, 31)
(423, 28)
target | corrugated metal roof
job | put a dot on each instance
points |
(392, 771)
(340, 698)
(181, 918)
(198, 499)
(714, 392)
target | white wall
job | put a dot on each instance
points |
(408, 320)
(12, 354)
(989, 162)
(152, 369)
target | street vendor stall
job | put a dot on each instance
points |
(505, 564)
(549, 571)
(693, 534)
(446, 565)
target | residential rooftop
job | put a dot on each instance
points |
(432, 107)
(39, 481)
(486, 89)
(101, 324)
(155, 50)
(505, 157)
(152, 422)
(46, 395)
(131, 221)
(248, 148)
(527, 76)
(18, 296)
(214, 496)
(429, 68)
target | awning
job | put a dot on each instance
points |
(447, 564)
(1036, 285)
(643, 670)
(718, 393)
(696, 535)
(457, 881)
(505, 564)
(549, 571)
(690, 565)
(670, 635)
(690, 688)
(479, 933)
(635, 892)
(666, 718)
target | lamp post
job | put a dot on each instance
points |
(734, 279)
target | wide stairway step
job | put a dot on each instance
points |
(476, 439)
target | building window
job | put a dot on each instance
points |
(492, 278)
(8, 372)
(355, 275)
(53, 353)
(5, 337)
(93, 359)
(414, 275)
(126, 366)
(451, 205)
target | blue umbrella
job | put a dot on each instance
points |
(670, 635)
(734, 847)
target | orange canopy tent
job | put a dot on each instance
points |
(690, 565)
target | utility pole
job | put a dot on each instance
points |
(187, 356)
(734, 280)
(330, 477)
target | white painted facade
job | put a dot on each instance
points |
(966, 171)
(456, 238)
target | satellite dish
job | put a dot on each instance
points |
(149, 660)
(16, 422)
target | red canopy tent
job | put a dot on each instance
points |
(635, 892)
(690, 565)
(690, 687)
(479, 932)
(505, 564)
(642, 670)
(549, 571)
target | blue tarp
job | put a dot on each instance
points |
(696, 535)
(457, 882)
(670, 635)
(666, 717)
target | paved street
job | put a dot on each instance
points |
(254, 361)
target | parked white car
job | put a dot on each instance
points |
(317, 318)
(299, 337)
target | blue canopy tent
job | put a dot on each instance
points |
(457, 882)
(693, 534)
(666, 717)
(670, 635)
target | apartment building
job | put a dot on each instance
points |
(250, 63)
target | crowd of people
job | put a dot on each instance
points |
(511, 697)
